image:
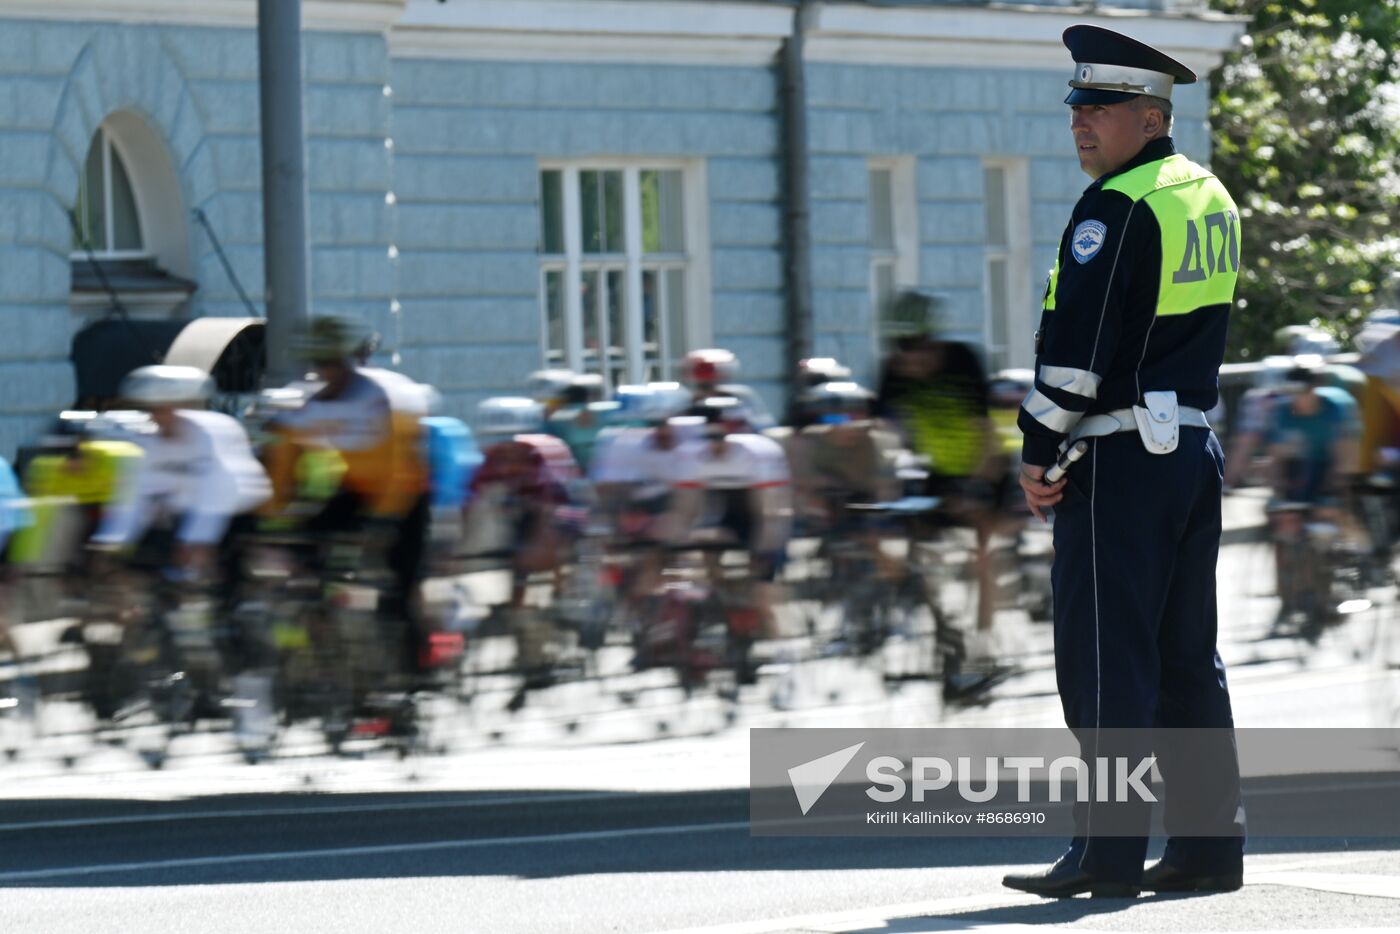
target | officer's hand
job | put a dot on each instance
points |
(1039, 495)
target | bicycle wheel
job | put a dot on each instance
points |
(162, 704)
(907, 617)
(958, 590)
(19, 712)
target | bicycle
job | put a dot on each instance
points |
(1321, 571)
(702, 620)
(336, 658)
(154, 661)
(926, 608)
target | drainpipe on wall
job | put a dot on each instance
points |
(286, 253)
(797, 265)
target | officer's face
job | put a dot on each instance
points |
(1107, 135)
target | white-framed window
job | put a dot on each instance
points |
(894, 235)
(622, 273)
(1010, 319)
(107, 217)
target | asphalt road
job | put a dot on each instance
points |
(585, 861)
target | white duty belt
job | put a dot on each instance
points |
(1110, 423)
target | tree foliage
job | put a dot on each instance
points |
(1307, 132)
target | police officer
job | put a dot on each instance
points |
(1131, 340)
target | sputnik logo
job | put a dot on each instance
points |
(810, 780)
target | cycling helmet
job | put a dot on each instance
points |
(331, 339)
(722, 415)
(549, 385)
(631, 401)
(814, 371)
(838, 401)
(912, 313)
(665, 401)
(163, 385)
(509, 415)
(1304, 339)
(281, 399)
(1307, 371)
(652, 403)
(584, 389)
(709, 367)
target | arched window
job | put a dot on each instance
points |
(130, 238)
(108, 222)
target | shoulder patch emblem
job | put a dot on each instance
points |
(1087, 240)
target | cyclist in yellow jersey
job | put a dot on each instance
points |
(372, 419)
(936, 391)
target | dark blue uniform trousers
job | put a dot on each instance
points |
(1136, 541)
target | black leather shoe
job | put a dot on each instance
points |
(1064, 879)
(1164, 877)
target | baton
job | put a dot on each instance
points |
(1067, 459)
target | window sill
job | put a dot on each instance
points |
(140, 285)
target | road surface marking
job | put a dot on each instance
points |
(168, 816)
(59, 872)
(1341, 883)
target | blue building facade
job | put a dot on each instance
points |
(592, 183)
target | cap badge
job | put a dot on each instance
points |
(1086, 73)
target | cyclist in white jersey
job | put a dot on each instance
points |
(736, 481)
(198, 472)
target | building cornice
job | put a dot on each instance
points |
(328, 15)
(689, 31)
(1001, 37)
(707, 32)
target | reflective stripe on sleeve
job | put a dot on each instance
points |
(1052, 416)
(1070, 379)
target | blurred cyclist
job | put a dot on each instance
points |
(183, 504)
(524, 486)
(714, 372)
(1312, 437)
(812, 373)
(74, 473)
(842, 457)
(549, 388)
(372, 419)
(14, 515)
(736, 482)
(579, 417)
(525, 480)
(633, 474)
(936, 391)
(1312, 442)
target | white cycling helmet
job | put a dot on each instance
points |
(813, 371)
(632, 401)
(666, 400)
(549, 385)
(167, 385)
(509, 415)
(838, 401)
